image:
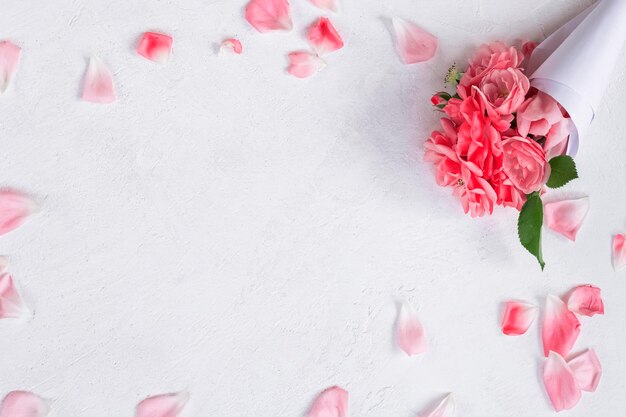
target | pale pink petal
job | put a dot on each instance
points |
(619, 252)
(445, 408)
(414, 43)
(268, 15)
(586, 300)
(156, 47)
(332, 402)
(324, 37)
(560, 327)
(98, 84)
(330, 5)
(518, 317)
(164, 405)
(23, 404)
(304, 64)
(11, 303)
(9, 60)
(410, 335)
(560, 382)
(587, 370)
(232, 45)
(15, 208)
(566, 217)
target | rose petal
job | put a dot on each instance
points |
(410, 335)
(23, 404)
(268, 15)
(560, 383)
(156, 47)
(164, 405)
(15, 208)
(560, 327)
(304, 64)
(232, 45)
(98, 84)
(619, 252)
(587, 370)
(330, 5)
(332, 402)
(9, 60)
(518, 317)
(414, 44)
(11, 303)
(566, 216)
(586, 300)
(445, 408)
(324, 37)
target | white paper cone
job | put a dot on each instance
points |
(575, 63)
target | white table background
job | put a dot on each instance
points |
(229, 230)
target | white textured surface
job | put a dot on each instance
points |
(230, 230)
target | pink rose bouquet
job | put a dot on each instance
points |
(501, 142)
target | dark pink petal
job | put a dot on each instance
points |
(619, 252)
(587, 370)
(518, 317)
(98, 84)
(11, 303)
(445, 408)
(156, 47)
(268, 15)
(560, 383)
(586, 300)
(410, 335)
(15, 208)
(566, 217)
(560, 327)
(164, 405)
(330, 5)
(232, 45)
(304, 64)
(9, 60)
(324, 37)
(414, 43)
(23, 404)
(332, 402)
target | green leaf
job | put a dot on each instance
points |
(529, 226)
(563, 171)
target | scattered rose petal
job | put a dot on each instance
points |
(619, 252)
(98, 84)
(15, 208)
(444, 409)
(410, 335)
(23, 404)
(560, 327)
(586, 300)
(11, 303)
(587, 370)
(156, 47)
(518, 317)
(560, 383)
(332, 402)
(566, 217)
(304, 64)
(330, 5)
(414, 44)
(268, 15)
(9, 60)
(164, 405)
(324, 37)
(232, 45)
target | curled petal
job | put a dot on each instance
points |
(330, 5)
(98, 84)
(304, 64)
(518, 317)
(587, 370)
(445, 408)
(232, 45)
(414, 43)
(332, 402)
(23, 404)
(324, 37)
(15, 208)
(269, 15)
(9, 60)
(164, 405)
(156, 47)
(619, 252)
(560, 382)
(560, 327)
(586, 300)
(566, 217)
(11, 303)
(410, 335)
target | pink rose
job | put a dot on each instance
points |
(508, 194)
(505, 89)
(525, 163)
